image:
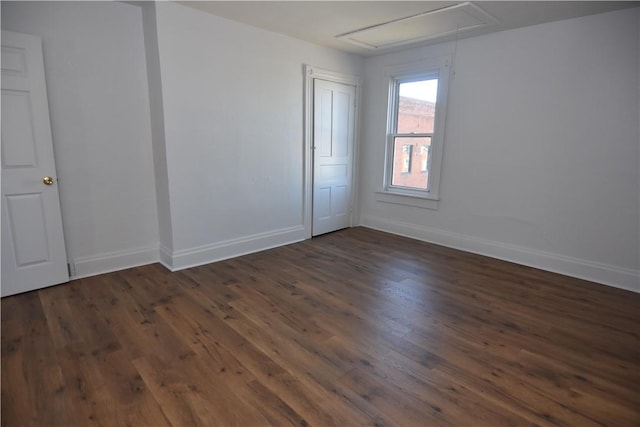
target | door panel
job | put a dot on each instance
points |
(323, 122)
(18, 141)
(342, 137)
(323, 203)
(33, 250)
(340, 198)
(28, 229)
(333, 172)
(334, 115)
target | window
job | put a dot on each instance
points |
(415, 132)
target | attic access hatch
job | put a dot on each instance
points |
(423, 26)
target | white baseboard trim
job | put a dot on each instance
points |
(165, 257)
(186, 258)
(112, 261)
(606, 274)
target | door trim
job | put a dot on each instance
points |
(310, 74)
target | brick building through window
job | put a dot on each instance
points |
(411, 155)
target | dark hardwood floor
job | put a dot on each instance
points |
(352, 328)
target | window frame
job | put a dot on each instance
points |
(422, 70)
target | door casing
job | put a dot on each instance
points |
(310, 74)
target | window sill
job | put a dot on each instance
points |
(418, 201)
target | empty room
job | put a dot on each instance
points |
(314, 213)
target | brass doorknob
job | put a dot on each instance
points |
(47, 180)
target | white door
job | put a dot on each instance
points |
(33, 251)
(333, 133)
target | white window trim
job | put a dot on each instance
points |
(425, 69)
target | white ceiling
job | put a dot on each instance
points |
(321, 22)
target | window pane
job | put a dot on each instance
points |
(417, 106)
(411, 162)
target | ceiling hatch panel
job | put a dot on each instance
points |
(423, 26)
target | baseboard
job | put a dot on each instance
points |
(165, 257)
(112, 261)
(186, 258)
(606, 274)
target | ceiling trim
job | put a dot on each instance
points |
(430, 25)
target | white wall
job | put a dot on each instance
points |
(99, 106)
(233, 117)
(541, 159)
(172, 128)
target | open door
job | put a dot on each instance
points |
(33, 250)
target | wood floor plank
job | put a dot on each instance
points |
(351, 328)
(283, 354)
